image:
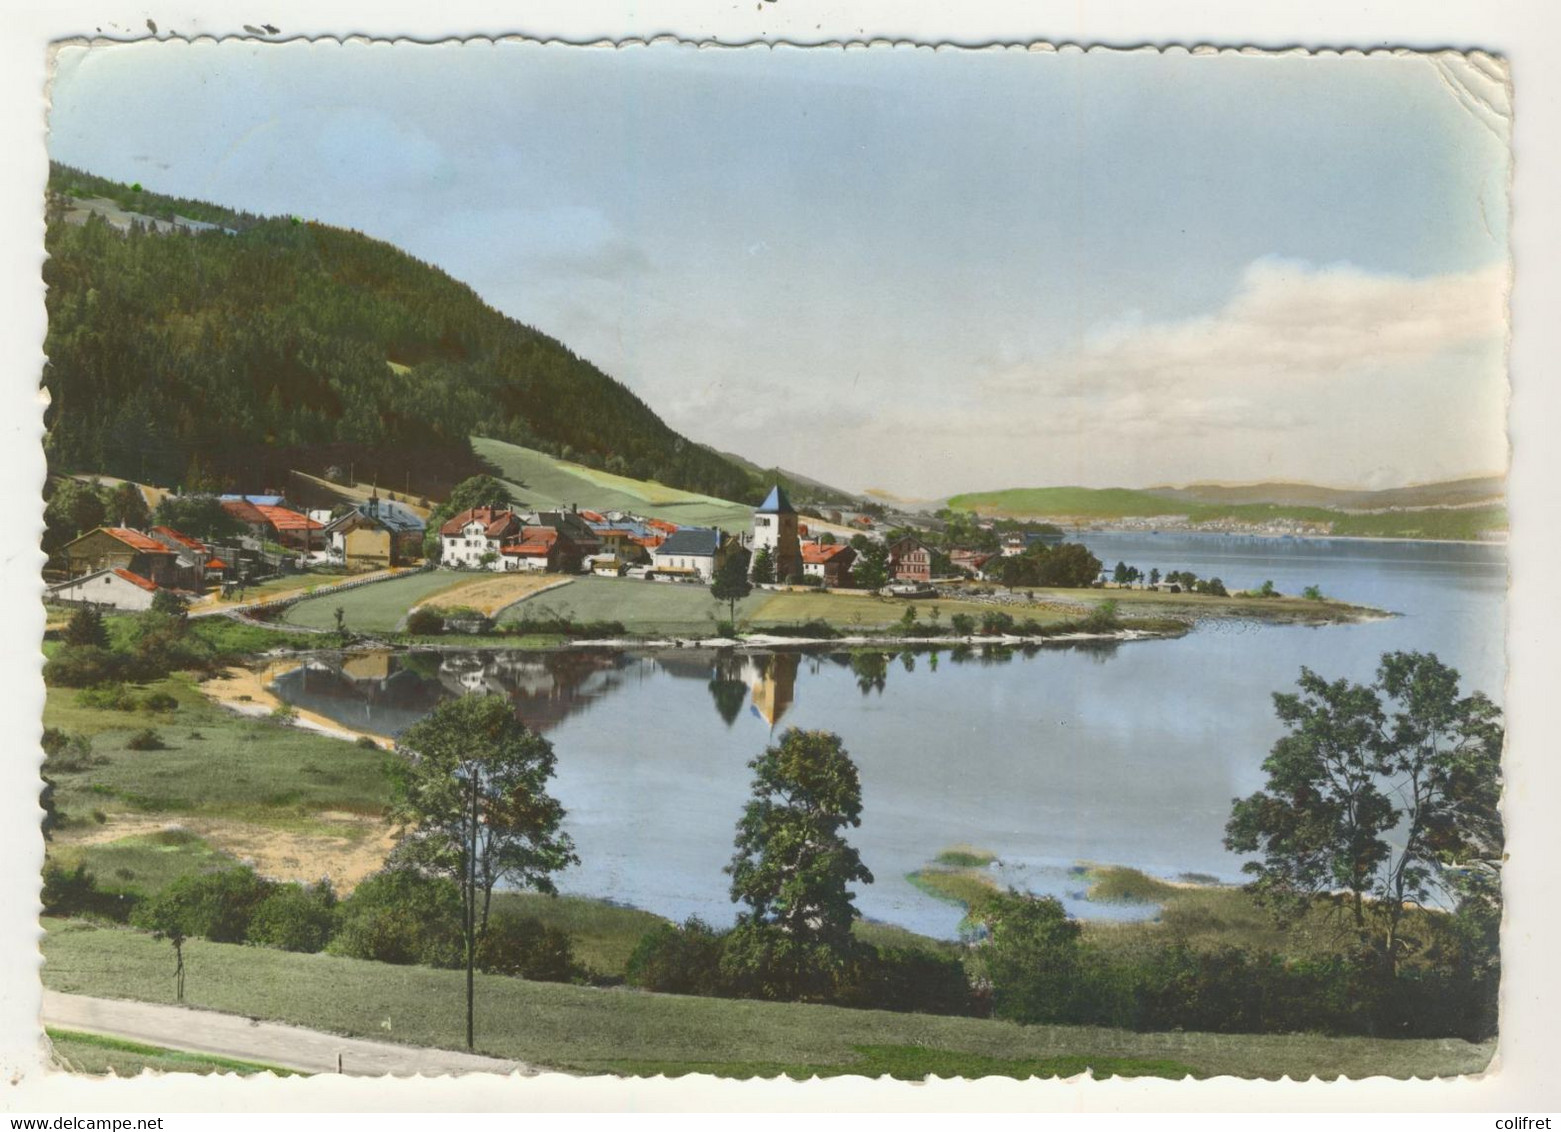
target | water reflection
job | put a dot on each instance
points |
(386, 692)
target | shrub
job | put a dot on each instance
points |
(761, 961)
(678, 959)
(1102, 619)
(295, 917)
(994, 622)
(424, 622)
(166, 601)
(107, 697)
(908, 979)
(365, 742)
(71, 756)
(216, 906)
(145, 740)
(284, 714)
(1030, 957)
(83, 666)
(158, 702)
(86, 628)
(522, 946)
(815, 629)
(400, 916)
(964, 624)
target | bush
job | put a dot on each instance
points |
(400, 916)
(83, 666)
(86, 628)
(523, 947)
(677, 959)
(995, 622)
(216, 906)
(1102, 619)
(908, 979)
(963, 623)
(108, 697)
(68, 754)
(366, 743)
(295, 917)
(158, 702)
(761, 961)
(816, 629)
(424, 622)
(145, 740)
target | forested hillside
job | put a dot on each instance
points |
(228, 358)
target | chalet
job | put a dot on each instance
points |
(831, 563)
(112, 586)
(910, 561)
(623, 545)
(572, 526)
(243, 511)
(123, 549)
(190, 557)
(291, 528)
(694, 553)
(475, 537)
(377, 533)
(539, 548)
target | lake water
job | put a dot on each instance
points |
(1120, 754)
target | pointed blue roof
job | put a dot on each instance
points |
(776, 503)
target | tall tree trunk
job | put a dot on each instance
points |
(471, 917)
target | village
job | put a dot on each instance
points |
(124, 568)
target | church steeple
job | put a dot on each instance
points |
(775, 529)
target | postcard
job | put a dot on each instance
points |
(666, 560)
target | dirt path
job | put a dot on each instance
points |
(271, 1043)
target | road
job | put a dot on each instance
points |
(235, 1036)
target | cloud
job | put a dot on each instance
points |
(1289, 337)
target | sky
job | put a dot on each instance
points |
(918, 271)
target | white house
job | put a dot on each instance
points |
(476, 534)
(113, 587)
(693, 552)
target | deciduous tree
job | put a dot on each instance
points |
(1378, 797)
(793, 867)
(470, 802)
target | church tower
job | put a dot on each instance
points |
(775, 528)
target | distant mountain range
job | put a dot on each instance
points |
(1480, 490)
(1464, 509)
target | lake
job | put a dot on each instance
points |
(1052, 757)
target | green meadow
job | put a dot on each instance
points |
(594, 1030)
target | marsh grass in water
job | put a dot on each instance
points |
(966, 857)
(1118, 885)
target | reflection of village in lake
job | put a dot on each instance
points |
(385, 692)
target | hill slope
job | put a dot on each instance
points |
(546, 483)
(180, 355)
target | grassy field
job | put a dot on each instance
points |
(543, 482)
(1085, 504)
(378, 608)
(97, 1055)
(490, 593)
(298, 804)
(675, 608)
(581, 1029)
